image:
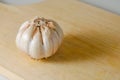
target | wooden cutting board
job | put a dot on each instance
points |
(90, 49)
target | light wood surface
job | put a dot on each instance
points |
(90, 50)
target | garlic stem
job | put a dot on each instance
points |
(39, 24)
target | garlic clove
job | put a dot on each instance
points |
(59, 32)
(36, 48)
(47, 42)
(21, 30)
(26, 38)
(55, 41)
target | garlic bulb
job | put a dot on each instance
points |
(39, 38)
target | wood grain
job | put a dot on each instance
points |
(90, 49)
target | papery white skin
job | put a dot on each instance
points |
(39, 42)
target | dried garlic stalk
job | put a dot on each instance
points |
(39, 38)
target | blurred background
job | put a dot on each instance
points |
(20, 2)
(109, 5)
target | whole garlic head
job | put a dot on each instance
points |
(39, 38)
